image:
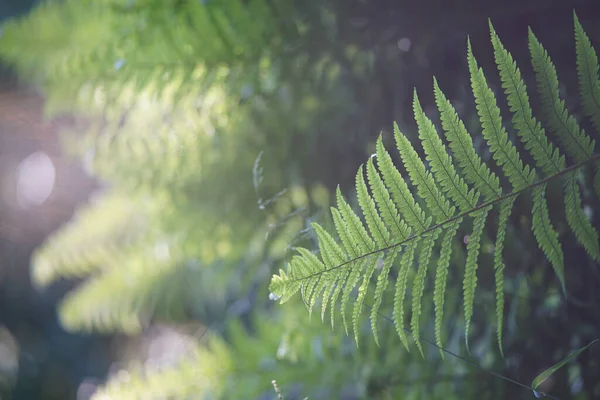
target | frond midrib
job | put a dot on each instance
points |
(500, 199)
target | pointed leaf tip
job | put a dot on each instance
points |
(550, 371)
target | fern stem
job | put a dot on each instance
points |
(465, 214)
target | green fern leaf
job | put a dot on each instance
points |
(393, 217)
(546, 235)
(397, 226)
(97, 238)
(328, 298)
(376, 226)
(528, 128)
(298, 270)
(580, 224)
(505, 210)
(589, 81)
(475, 171)
(355, 227)
(332, 256)
(406, 262)
(470, 280)
(576, 142)
(440, 162)
(113, 301)
(353, 279)
(378, 231)
(284, 286)
(534, 138)
(343, 277)
(587, 72)
(422, 179)
(331, 253)
(342, 231)
(578, 145)
(352, 250)
(441, 277)
(419, 285)
(311, 263)
(362, 292)
(504, 152)
(382, 282)
(400, 193)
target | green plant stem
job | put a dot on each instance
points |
(499, 199)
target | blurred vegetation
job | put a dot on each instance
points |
(218, 131)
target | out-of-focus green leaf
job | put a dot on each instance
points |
(547, 373)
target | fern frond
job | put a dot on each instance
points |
(546, 235)
(533, 136)
(470, 281)
(361, 242)
(353, 252)
(332, 255)
(197, 373)
(587, 72)
(440, 162)
(353, 279)
(315, 266)
(505, 210)
(398, 229)
(475, 171)
(578, 221)
(441, 277)
(360, 298)
(400, 193)
(504, 152)
(577, 144)
(589, 81)
(285, 285)
(427, 189)
(118, 301)
(374, 222)
(406, 263)
(397, 225)
(357, 231)
(419, 285)
(548, 158)
(382, 282)
(98, 236)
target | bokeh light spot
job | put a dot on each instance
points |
(36, 176)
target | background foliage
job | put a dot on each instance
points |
(218, 130)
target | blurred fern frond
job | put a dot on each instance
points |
(243, 361)
(174, 93)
